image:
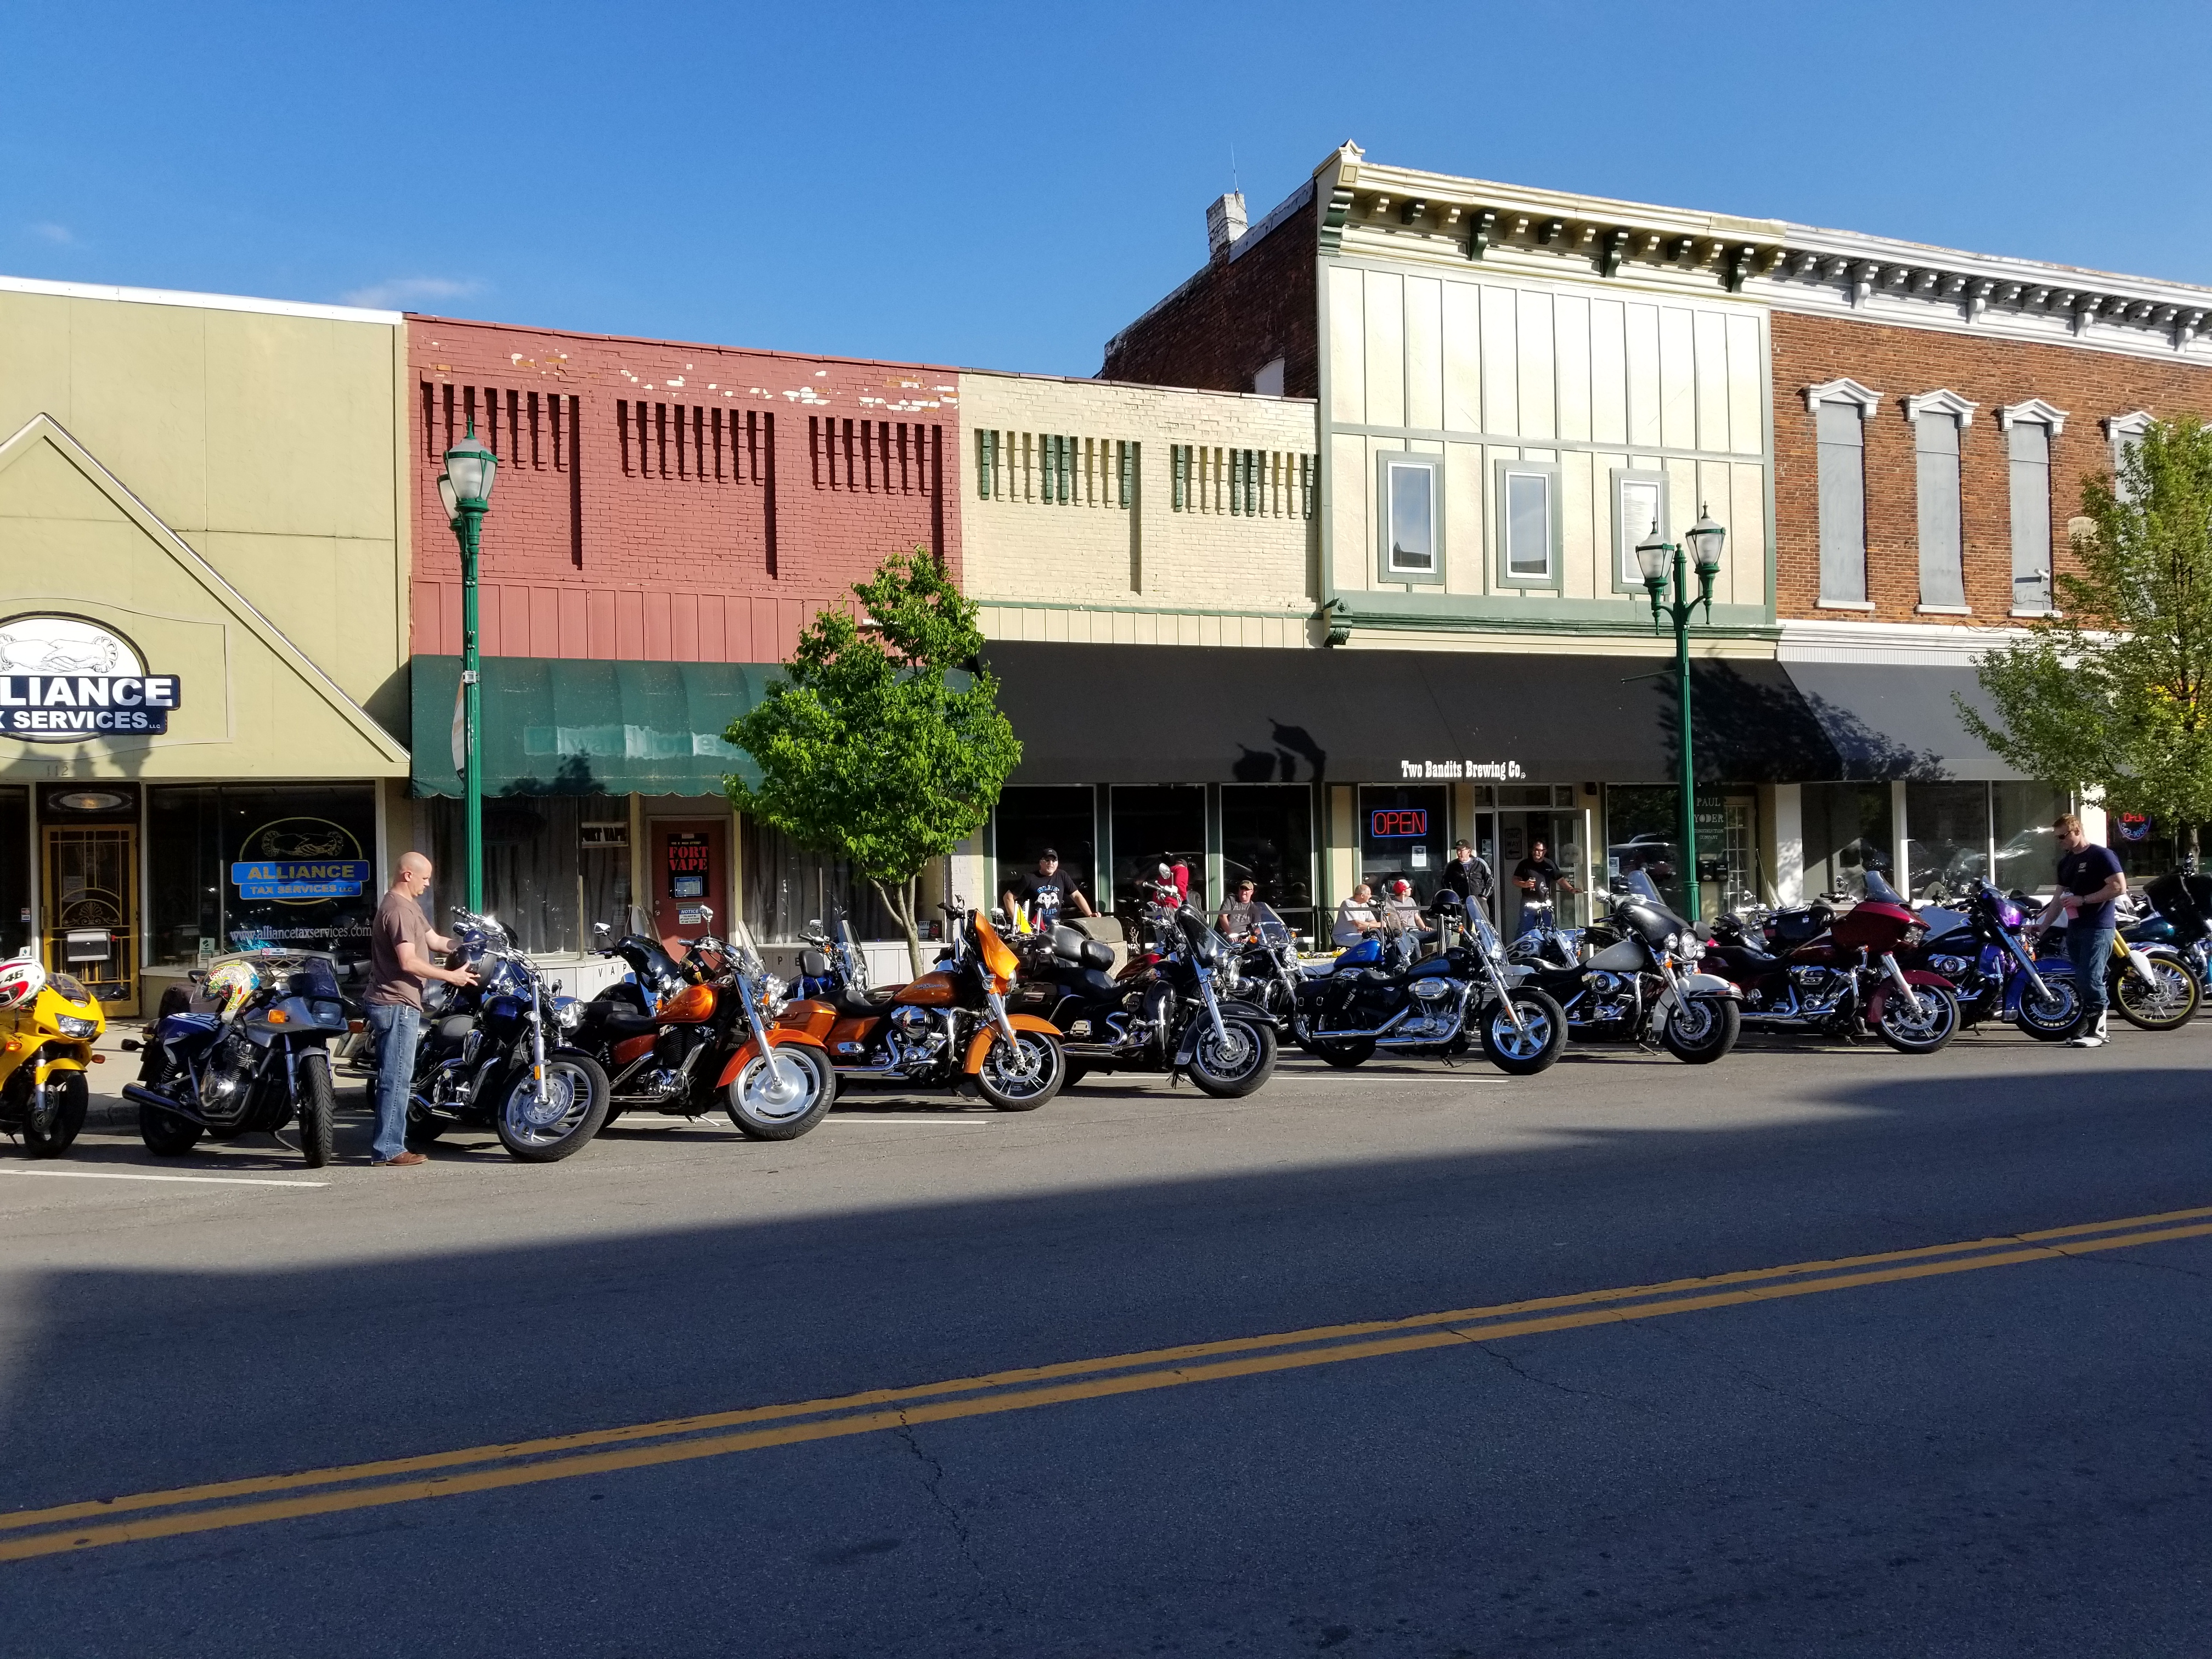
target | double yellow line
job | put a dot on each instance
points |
(249, 1502)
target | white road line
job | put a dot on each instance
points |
(118, 1174)
(934, 1122)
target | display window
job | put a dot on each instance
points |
(238, 866)
(1403, 833)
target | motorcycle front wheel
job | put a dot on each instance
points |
(55, 1115)
(1699, 1030)
(1230, 1070)
(319, 1107)
(1356, 1051)
(1024, 1082)
(1535, 1044)
(2054, 1017)
(1923, 1033)
(2166, 1004)
(544, 1125)
(784, 1104)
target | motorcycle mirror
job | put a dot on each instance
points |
(600, 930)
(706, 913)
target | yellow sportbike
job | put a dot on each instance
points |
(47, 1025)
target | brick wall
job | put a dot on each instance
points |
(664, 502)
(1232, 318)
(1900, 363)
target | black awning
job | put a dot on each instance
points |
(1139, 713)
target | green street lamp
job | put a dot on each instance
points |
(1656, 558)
(465, 488)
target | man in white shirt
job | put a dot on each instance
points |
(1356, 917)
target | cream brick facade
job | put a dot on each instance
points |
(1098, 512)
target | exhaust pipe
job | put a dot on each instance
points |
(145, 1096)
(1339, 1036)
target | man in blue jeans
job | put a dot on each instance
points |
(399, 946)
(2089, 879)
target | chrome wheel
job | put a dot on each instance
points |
(772, 1098)
(1021, 1076)
(540, 1120)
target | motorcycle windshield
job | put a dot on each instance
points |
(1640, 889)
(744, 950)
(1879, 889)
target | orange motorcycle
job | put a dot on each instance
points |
(948, 1029)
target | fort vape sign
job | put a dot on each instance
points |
(66, 679)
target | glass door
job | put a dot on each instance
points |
(92, 910)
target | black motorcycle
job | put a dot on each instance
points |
(498, 1054)
(1432, 992)
(1634, 974)
(1166, 1011)
(251, 1065)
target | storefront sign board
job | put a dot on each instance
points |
(65, 679)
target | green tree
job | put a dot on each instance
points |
(2112, 695)
(882, 745)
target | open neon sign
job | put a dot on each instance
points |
(1398, 823)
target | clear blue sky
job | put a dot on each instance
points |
(1005, 185)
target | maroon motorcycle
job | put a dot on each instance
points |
(1820, 973)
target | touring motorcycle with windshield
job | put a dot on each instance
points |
(949, 1030)
(1169, 1009)
(1979, 946)
(689, 1036)
(1844, 979)
(1419, 992)
(1634, 974)
(259, 1058)
(497, 1055)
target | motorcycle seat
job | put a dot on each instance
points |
(617, 1023)
(859, 1004)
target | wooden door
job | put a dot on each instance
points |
(690, 875)
(91, 905)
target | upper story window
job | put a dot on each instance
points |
(2029, 429)
(2122, 433)
(1529, 524)
(1840, 411)
(1411, 490)
(1639, 512)
(1939, 420)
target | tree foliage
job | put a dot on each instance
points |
(883, 743)
(2112, 695)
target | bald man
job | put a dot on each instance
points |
(400, 946)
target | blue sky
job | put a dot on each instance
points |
(1005, 185)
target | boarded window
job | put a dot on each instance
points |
(1935, 454)
(1843, 504)
(2029, 442)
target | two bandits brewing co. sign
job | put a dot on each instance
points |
(64, 679)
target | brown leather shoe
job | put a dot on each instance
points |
(404, 1157)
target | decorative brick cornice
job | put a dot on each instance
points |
(1845, 391)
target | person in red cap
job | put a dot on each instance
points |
(1401, 909)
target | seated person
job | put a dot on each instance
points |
(1356, 918)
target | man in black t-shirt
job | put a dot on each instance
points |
(1043, 893)
(2089, 879)
(1538, 878)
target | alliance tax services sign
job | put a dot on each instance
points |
(66, 679)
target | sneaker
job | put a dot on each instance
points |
(2090, 1040)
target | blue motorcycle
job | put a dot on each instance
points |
(1978, 946)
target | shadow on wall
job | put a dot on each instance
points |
(1279, 764)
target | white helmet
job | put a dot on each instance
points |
(22, 979)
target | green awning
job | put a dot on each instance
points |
(577, 726)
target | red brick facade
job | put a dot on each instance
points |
(1900, 363)
(660, 502)
(1227, 323)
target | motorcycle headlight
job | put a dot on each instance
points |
(567, 1012)
(82, 1030)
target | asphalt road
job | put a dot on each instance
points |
(1995, 1450)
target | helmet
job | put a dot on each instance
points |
(22, 979)
(232, 983)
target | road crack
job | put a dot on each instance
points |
(1745, 1373)
(1527, 1375)
(933, 1482)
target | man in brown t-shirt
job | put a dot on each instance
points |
(400, 944)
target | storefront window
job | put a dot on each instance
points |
(2027, 851)
(1947, 828)
(1157, 823)
(1030, 818)
(785, 887)
(234, 867)
(1847, 832)
(1643, 831)
(1266, 834)
(1402, 833)
(553, 865)
(15, 934)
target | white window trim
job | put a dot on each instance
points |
(1435, 464)
(2034, 410)
(1943, 402)
(1551, 581)
(1843, 390)
(1623, 555)
(2118, 429)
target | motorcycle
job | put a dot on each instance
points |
(2151, 983)
(48, 1023)
(1633, 975)
(256, 1062)
(1844, 980)
(1386, 992)
(951, 1028)
(2181, 904)
(1167, 1011)
(1977, 947)
(498, 1053)
(659, 1035)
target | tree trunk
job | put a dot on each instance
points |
(2187, 837)
(899, 900)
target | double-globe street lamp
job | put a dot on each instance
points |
(465, 488)
(1655, 557)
